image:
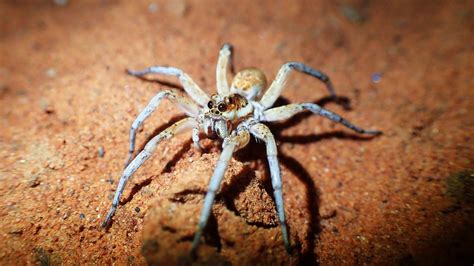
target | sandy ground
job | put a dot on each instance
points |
(66, 106)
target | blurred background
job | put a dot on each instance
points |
(66, 106)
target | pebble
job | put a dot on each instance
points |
(51, 72)
(16, 231)
(60, 2)
(153, 7)
(45, 107)
(376, 77)
(33, 180)
(101, 152)
(352, 14)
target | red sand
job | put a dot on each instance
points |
(401, 198)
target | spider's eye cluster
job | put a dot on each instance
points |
(210, 104)
(222, 107)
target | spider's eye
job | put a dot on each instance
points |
(222, 107)
(209, 104)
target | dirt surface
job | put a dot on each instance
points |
(66, 106)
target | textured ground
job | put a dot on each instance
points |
(66, 106)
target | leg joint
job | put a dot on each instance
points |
(277, 187)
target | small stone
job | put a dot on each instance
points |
(15, 231)
(101, 152)
(137, 209)
(51, 73)
(152, 8)
(60, 2)
(329, 215)
(33, 180)
(376, 77)
(352, 14)
(83, 167)
(45, 107)
(82, 216)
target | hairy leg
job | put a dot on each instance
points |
(143, 156)
(262, 132)
(185, 104)
(222, 67)
(275, 89)
(231, 143)
(189, 85)
(287, 111)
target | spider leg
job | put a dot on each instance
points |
(185, 104)
(150, 147)
(262, 132)
(275, 89)
(231, 143)
(189, 85)
(222, 67)
(287, 111)
(195, 138)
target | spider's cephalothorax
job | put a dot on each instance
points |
(233, 114)
(224, 112)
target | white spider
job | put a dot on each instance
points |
(233, 115)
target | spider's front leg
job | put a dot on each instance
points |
(185, 104)
(150, 147)
(231, 143)
(262, 132)
(275, 89)
(191, 88)
(287, 111)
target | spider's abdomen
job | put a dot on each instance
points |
(249, 82)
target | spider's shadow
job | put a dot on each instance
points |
(253, 153)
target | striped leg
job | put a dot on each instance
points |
(185, 104)
(275, 89)
(287, 111)
(150, 147)
(262, 132)
(189, 85)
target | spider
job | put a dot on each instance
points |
(233, 114)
